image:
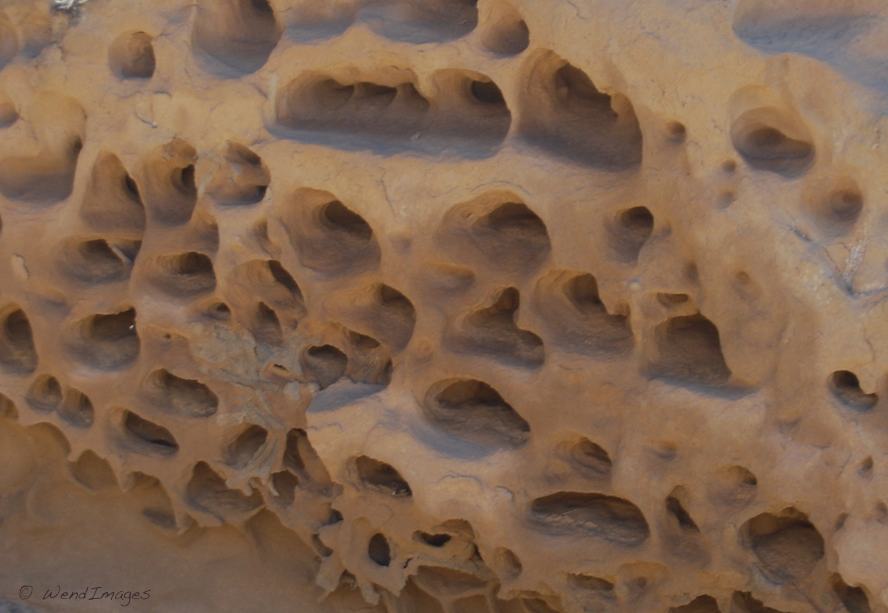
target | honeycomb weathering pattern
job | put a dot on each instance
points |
(447, 306)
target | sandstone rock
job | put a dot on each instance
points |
(445, 306)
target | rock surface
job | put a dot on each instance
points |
(445, 306)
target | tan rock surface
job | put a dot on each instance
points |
(445, 306)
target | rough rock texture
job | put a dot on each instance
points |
(445, 306)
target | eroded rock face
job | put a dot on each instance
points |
(457, 306)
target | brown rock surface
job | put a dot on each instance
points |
(447, 306)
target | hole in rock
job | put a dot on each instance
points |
(845, 386)
(726, 198)
(382, 477)
(340, 219)
(170, 191)
(244, 178)
(8, 409)
(330, 238)
(203, 233)
(47, 176)
(700, 604)
(44, 394)
(487, 92)
(183, 275)
(865, 469)
(592, 593)
(243, 449)
(296, 439)
(577, 318)
(670, 300)
(18, 355)
(183, 397)
(108, 341)
(183, 180)
(95, 261)
(384, 312)
(319, 546)
(676, 132)
(630, 231)
(280, 297)
(384, 377)
(566, 115)
(448, 280)
(590, 583)
(507, 564)
(676, 509)
(397, 312)
(880, 511)
(8, 113)
(836, 212)
(420, 22)
(590, 459)
(279, 372)
(131, 56)
(769, 140)
(605, 517)
(93, 472)
(285, 483)
(854, 598)
(744, 602)
(733, 486)
(284, 279)
(469, 112)
(218, 311)
(368, 361)
(149, 436)
(378, 550)
(76, 408)
(844, 206)
(301, 458)
(582, 291)
(663, 451)
(492, 332)
(325, 364)
(208, 491)
(505, 33)
(689, 350)
(787, 546)
(475, 412)
(389, 115)
(112, 202)
(362, 341)
(432, 540)
(495, 230)
(238, 34)
(538, 605)
(266, 326)
(511, 235)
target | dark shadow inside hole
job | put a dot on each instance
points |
(846, 388)
(378, 550)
